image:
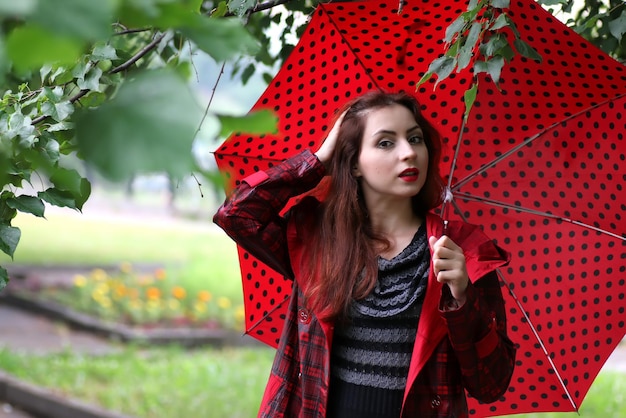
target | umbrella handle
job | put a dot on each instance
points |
(445, 207)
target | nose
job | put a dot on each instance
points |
(407, 151)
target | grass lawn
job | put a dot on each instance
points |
(229, 383)
(155, 383)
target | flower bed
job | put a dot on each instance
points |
(144, 300)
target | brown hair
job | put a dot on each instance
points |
(342, 263)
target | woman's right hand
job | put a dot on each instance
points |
(325, 152)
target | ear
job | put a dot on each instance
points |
(355, 171)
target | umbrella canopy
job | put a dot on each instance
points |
(539, 164)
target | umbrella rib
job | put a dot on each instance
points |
(348, 45)
(251, 157)
(519, 304)
(448, 190)
(527, 141)
(251, 327)
(504, 205)
(539, 340)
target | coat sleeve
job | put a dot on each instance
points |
(251, 215)
(477, 332)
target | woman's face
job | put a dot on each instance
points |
(393, 162)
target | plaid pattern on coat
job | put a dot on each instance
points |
(456, 350)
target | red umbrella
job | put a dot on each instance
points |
(538, 164)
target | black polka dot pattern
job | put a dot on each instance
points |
(541, 166)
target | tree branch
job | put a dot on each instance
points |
(261, 7)
(139, 54)
(72, 99)
(117, 69)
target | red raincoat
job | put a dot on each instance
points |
(455, 350)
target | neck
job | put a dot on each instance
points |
(394, 219)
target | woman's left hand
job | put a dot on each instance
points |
(449, 266)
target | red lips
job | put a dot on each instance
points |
(410, 174)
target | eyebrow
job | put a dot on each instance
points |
(386, 131)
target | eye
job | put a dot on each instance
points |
(416, 139)
(384, 143)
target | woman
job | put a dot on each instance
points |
(383, 321)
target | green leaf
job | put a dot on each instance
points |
(470, 97)
(501, 4)
(103, 52)
(499, 23)
(494, 46)
(465, 56)
(7, 213)
(466, 52)
(155, 119)
(618, 26)
(19, 126)
(9, 238)
(15, 8)
(57, 111)
(4, 277)
(4, 61)
(76, 19)
(454, 28)
(494, 68)
(48, 147)
(239, 7)
(511, 25)
(247, 73)
(91, 80)
(474, 33)
(527, 50)
(93, 99)
(220, 10)
(221, 38)
(30, 47)
(27, 204)
(259, 122)
(58, 198)
(72, 183)
(443, 67)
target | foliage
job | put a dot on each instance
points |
(105, 83)
(170, 382)
(146, 299)
(480, 38)
(602, 22)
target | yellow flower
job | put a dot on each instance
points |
(126, 267)
(133, 294)
(153, 293)
(160, 274)
(204, 296)
(173, 304)
(120, 290)
(154, 304)
(100, 291)
(99, 274)
(105, 302)
(224, 303)
(200, 307)
(178, 292)
(144, 280)
(80, 280)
